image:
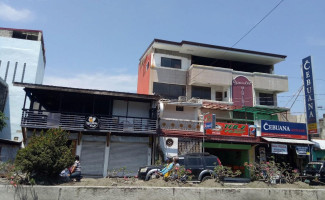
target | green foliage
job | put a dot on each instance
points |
(3, 119)
(222, 172)
(270, 171)
(45, 156)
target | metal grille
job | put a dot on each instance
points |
(68, 121)
(189, 146)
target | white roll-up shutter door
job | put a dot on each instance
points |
(128, 154)
(92, 158)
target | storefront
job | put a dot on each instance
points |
(233, 144)
(318, 150)
(286, 143)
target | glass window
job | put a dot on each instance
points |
(170, 62)
(211, 161)
(168, 91)
(181, 161)
(194, 161)
(313, 167)
(218, 96)
(201, 92)
(266, 99)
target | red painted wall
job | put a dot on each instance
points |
(144, 76)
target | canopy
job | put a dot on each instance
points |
(290, 141)
(262, 109)
(319, 144)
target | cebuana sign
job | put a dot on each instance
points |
(283, 129)
(309, 95)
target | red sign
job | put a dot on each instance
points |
(242, 92)
(230, 129)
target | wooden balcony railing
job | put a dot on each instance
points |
(183, 125)
(76, 122)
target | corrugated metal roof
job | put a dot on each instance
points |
(291, 141)
(87, 91)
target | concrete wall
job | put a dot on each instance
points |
(189, 113)
(165, 193)
(19, 51)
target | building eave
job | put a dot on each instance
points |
(86, 91)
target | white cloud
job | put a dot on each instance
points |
(8, 13)
(120, 83)
(316, 41)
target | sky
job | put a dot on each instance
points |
(97, 44)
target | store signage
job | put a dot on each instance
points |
(230, 129)
(242, 92)
(302, 151)
(283, 129)
(208, 121)
(92, 122)
(279, 149)
(311, 113)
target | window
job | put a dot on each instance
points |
(211, 161)
(179, 108)
(168, 91)
(194, 161)
(147, 66)
(225, 94)
(170, 62)
(243, 115)
(266, 99)
(201, 92)
(218, 96)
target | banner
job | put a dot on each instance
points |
(311, 114)
(302, 151)
(242, 92)
(230, 129)
(283, 129)
(279, 149)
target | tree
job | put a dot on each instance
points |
(45, 156)
(3, 119)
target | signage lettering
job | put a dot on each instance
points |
(242, 92)
(230, 129)
(283, 129)
(309, 95)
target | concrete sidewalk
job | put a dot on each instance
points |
(164, 193)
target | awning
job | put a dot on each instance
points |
(319, 144)
(262, 109)
(290, 141)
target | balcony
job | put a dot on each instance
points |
(217, 76)
(76, 122)
(180, 125)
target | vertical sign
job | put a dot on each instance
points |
(309, 95)
(242, 92)
(208, 123)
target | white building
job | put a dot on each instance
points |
(22, 59)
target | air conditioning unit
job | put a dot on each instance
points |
(182, 98)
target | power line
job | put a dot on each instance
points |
(247, 32)
(258, 23)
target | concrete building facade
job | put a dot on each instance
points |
(22, 59)
(238, 87)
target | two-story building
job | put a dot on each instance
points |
(109, 130)
(239, 87)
